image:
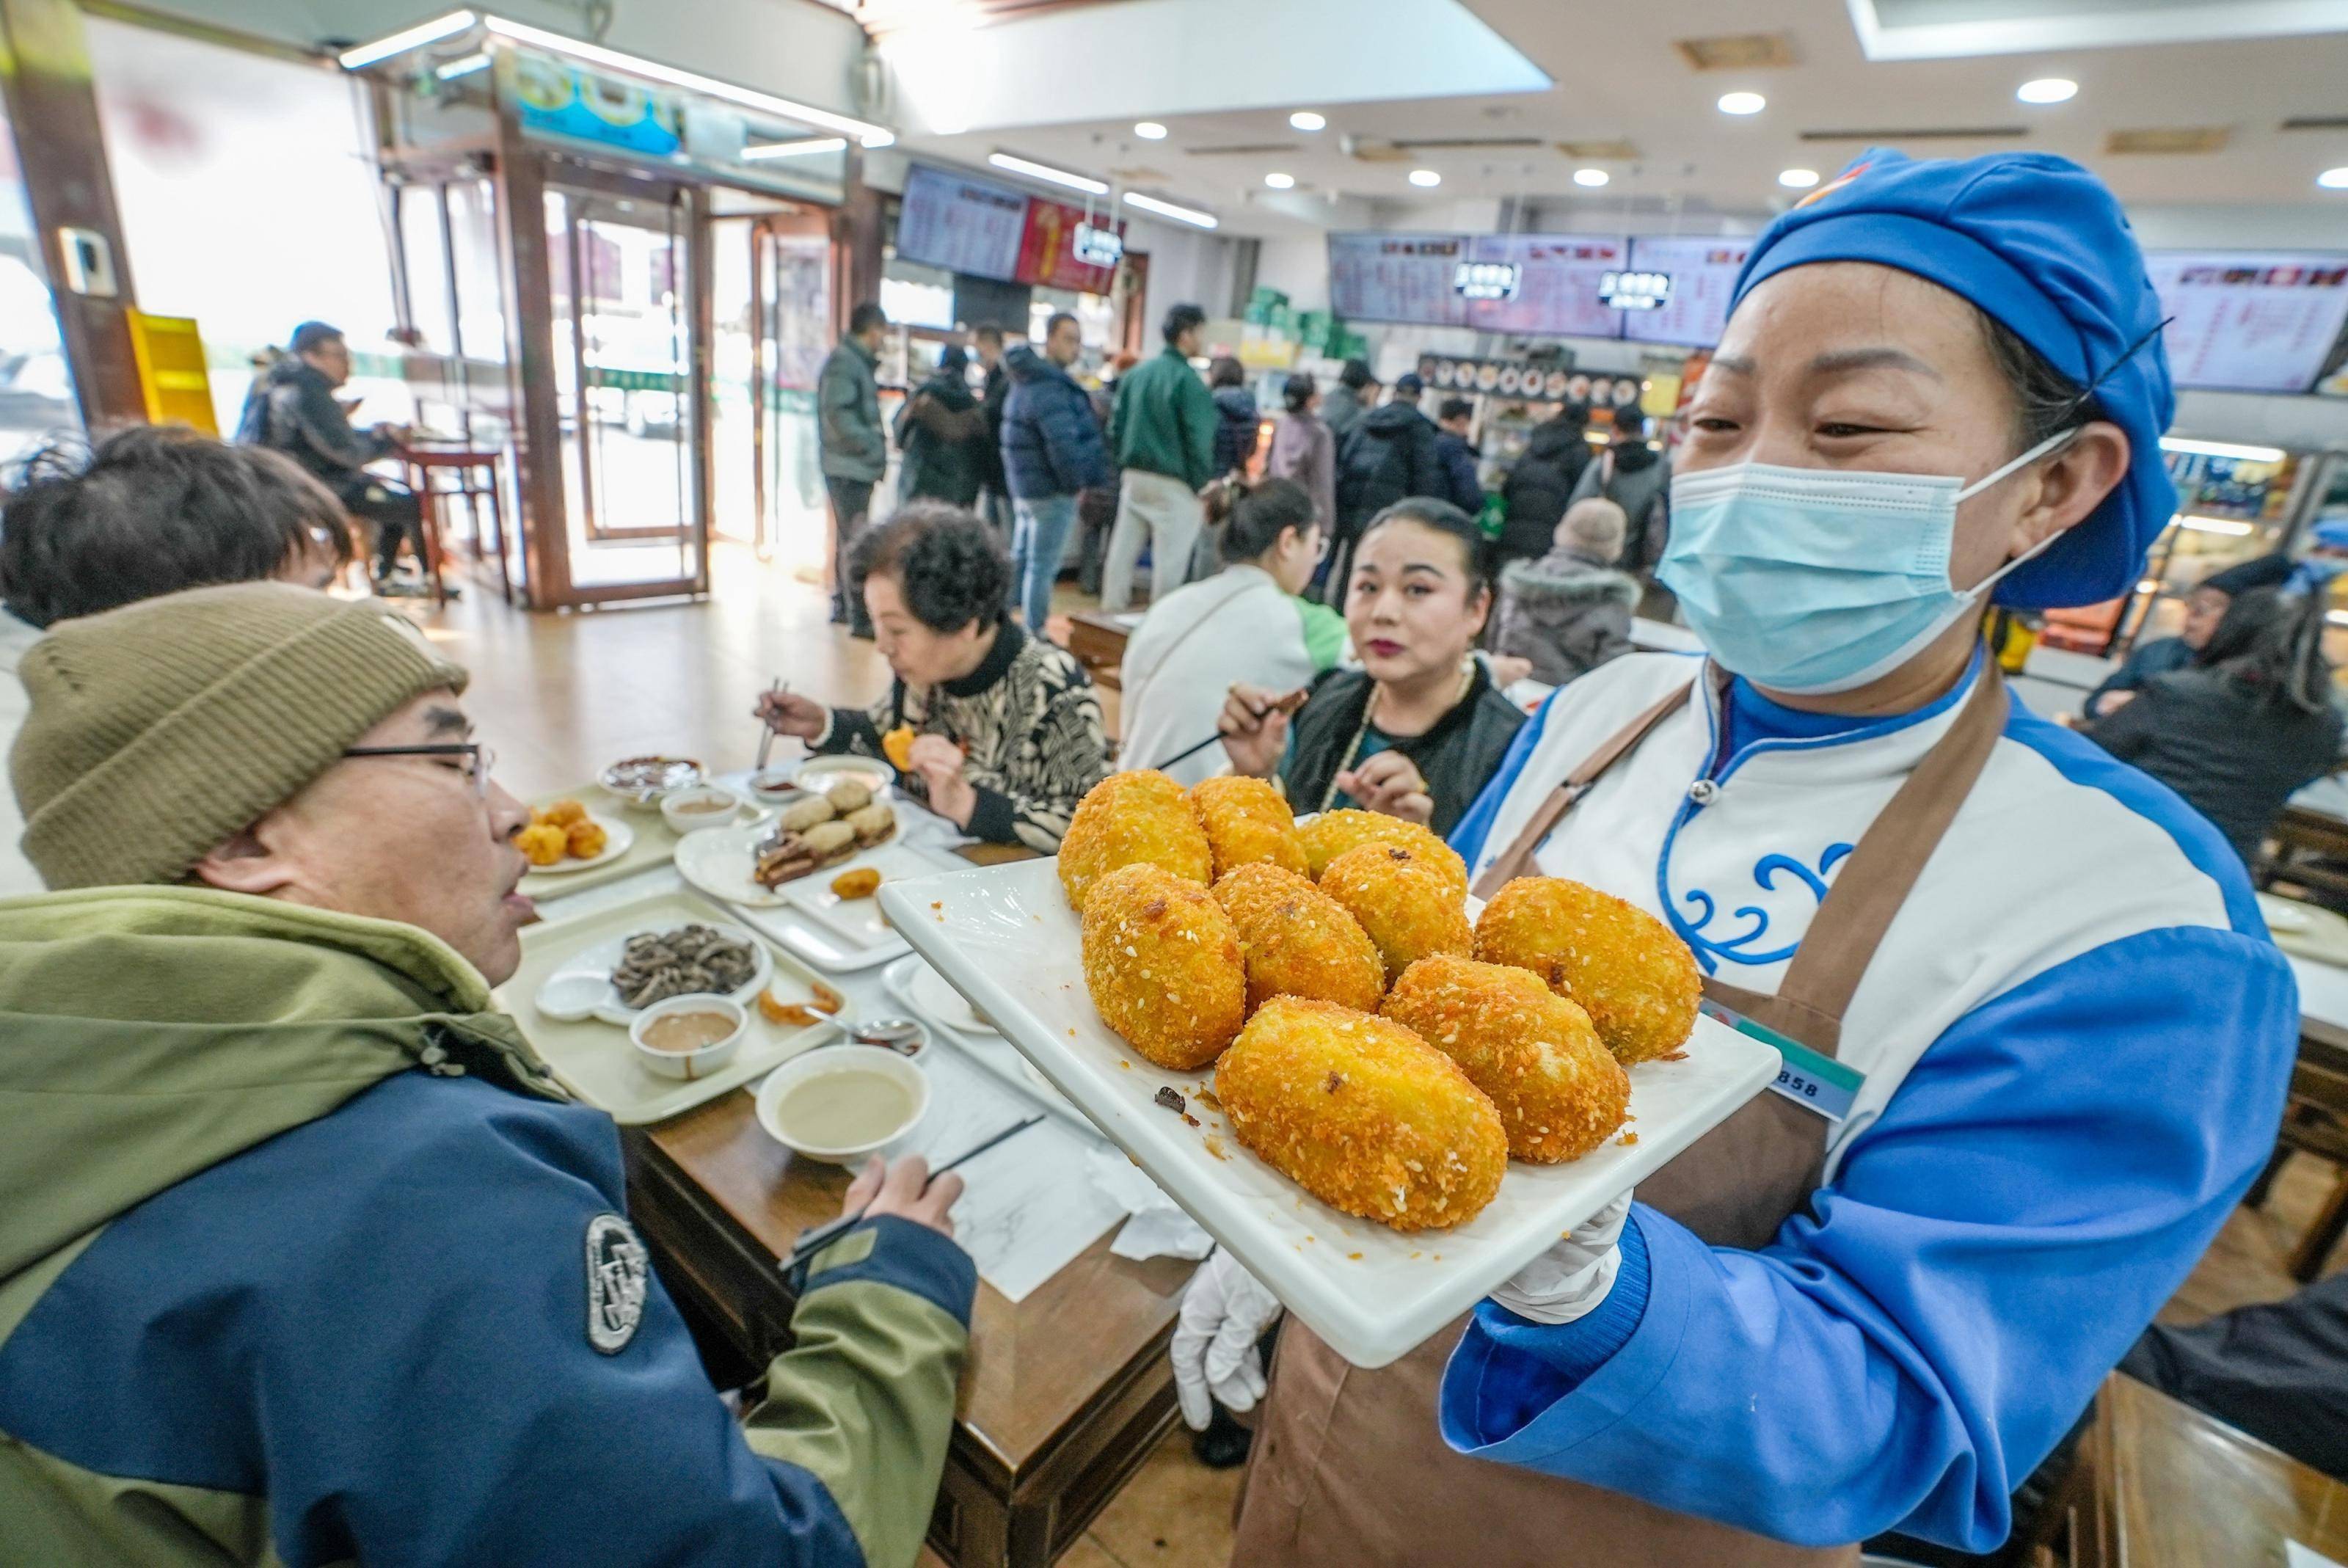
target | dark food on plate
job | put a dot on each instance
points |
(1362, 1114)
(656, 965)
(1332, 833)
(1162, 962)
(1533, 1052)
(1141, 816)
(1633, 976)
(1297, 940)
(1246, 821)
(1408, 909)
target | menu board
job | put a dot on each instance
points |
(1704, 274)
(1047, 248)
(1403, 278)
(961, 224)
(2249, 321)
(1557, 287)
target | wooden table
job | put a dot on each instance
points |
(1097, 638)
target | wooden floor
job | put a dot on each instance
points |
(558, 696)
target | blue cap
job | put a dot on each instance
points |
(2039, 244)
(310, 335)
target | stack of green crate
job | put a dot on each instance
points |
(1262, 305)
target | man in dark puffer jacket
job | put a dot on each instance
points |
(1052, 449)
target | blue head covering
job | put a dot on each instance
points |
(953, 362)
(2040, 245)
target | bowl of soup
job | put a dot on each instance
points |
(840, 1103)
(689, 1036)
(702, 806)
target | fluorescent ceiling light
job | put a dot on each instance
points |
(399, 43)
(2047, 89)
(1742, 103)
(1150, 131)
(863, 131)
(1797, 179)
(2228, 525)
(1593, 177)
(2223, 449)
(477, 60)
(1306, 120)
(1425, 177)
(2333, 179)
(808, 149)
(1168, 210)
(1084, 182)
(1281, 182)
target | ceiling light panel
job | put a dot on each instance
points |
(1044, 171)
(1742, 103)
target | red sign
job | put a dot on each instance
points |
(1047, 248)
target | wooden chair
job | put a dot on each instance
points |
(2314, 1121)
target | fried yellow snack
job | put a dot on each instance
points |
(542, 843)
(1362, 1114)
(586, 838)
(1332, 833)
(1162, 963)
(561, 813)
(1409, 910)
(897, 746)
(861, 882)
(1246, 821)
(1534, 1053)
(1298, 941)
(1129, 817)
(1629, 971)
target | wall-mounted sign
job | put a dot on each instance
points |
(1635, 290)
(1485, 280)
(983, 230)
(1098, 247)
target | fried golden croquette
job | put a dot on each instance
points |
(1298, 941)
(1535, 1054)
(1246, 821)
(542, 843)
(1162, 962)
(1332, 833)
(1408, 910)
(1362, 1114)
(1629, 971)
(561, 813)
(586, 838)
(1129, 817)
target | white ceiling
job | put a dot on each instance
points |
(1618, 76)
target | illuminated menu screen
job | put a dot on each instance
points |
(2249, 321)
(1557, 287)
(1703, 274)
(961, 224)
(1407, 278)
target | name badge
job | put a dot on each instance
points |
(1815, 1082)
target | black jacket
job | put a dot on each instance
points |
(942, 430)
(1389, 455)
(1238, 428)
(1540, 486)
(1456, 757)
(293, 410)
(993, 396)
(2234, 751)
(1638, 478)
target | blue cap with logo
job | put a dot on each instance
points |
(2040, 245)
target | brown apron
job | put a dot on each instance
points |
(1349, 1469)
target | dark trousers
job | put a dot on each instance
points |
(851, 500)
(392, 510)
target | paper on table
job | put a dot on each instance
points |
(1159, 1228)
(2298, 1557)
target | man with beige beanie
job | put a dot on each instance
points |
(306, 1258)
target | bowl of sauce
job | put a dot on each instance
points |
(841, 1103)
(702, 806)
(689, 1036)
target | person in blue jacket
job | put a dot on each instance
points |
(1051, 450)
(1458, 455)
(2036, 1038)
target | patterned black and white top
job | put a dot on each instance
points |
(1029, 721)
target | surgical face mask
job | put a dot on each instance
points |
(1821, 579)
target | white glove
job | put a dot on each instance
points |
(1224, 1312)
(1574, 1275)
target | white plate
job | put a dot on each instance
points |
(927, 989)
(618, 838)
(1004, 936)
(719, 861)
(2282, 915)
(581, 986)
(821, 773)
(857, 920)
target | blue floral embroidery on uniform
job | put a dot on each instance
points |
(1740, 946)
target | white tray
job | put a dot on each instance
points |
(986, 1050)
(1007, 940)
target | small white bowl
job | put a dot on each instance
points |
(702, 806)
(697, 1064)
(775, 787)
(870, 1061)
(819, 774)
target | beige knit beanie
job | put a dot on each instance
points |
(158, 730)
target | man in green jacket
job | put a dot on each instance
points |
(304, 1258)
(1161, 432)
(853, 448)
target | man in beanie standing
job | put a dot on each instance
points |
(305, 1259)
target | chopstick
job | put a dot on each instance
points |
(814, 1241)
(1186, 755)
(766, 733)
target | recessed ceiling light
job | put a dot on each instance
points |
(1279, 181)
(1428, 177)
(1797, 179)
(1306, 120)
(2047, 89)
(1742, 103)
(1150, 131)
(2333, 180)
(1591, 177)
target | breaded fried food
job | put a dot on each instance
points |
(1332, 833)
(1362, 1114)
(1298, 941)
(585, 838)
(561, 813)
(542, 843)
(1162, 962)
(897, 746)
(1409, 910)
(1246, 821)
(1629, 971)
(1535, 1054)
(1129, 817)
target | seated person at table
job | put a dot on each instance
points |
(2251, 721)
(306, 1258)
(153, 509)
(291, 409)
(1006, 728)
(1246, 623)
(1419, 729)
(2203, 609)
(1569, 611)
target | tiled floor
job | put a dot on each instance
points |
(558, 695)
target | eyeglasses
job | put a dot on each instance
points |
(479, 758)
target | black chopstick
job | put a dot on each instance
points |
(1186, 755)
(814, 1241)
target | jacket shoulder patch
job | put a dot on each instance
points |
(618, 1272)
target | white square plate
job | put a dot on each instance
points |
(1005, 938)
